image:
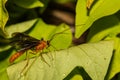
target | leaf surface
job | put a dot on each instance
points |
(3, 17)
(93, 57)
(85, 18)
(29, 3)
(108, 28)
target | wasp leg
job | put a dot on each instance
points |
(31, 65)
(37, 56)
(42, 58)
(27, 62)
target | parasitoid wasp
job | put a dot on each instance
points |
(24, 42)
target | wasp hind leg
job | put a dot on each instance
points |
(25, 67)
(42, 58)
(31, 63)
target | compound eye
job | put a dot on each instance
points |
(48, 43)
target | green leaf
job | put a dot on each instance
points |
(3, 17)
(60, 36)
(108, 28)
(93, 57)
(4, 64)
(85, 18)
(78, 73)
(89, 3)
(77, 77)
(4, 47)
(3, 75)
(29, 3)
(115, 63)
(20, 27)
(117, 77)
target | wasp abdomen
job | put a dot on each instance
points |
(15, 56)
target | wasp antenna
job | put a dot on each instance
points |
(53, 47)
(44, 60)
(58, 33)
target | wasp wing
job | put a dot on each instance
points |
(23, 41)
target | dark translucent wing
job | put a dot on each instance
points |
(23, 36)
(23, 41)
(27, 47)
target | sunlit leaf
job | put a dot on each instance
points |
(20, 27)
(99, 10)
(93, 57)
(29, 3)
(89, 3)
(4, 47)
(3, 76)
(77, 77)
(108, 28)
(115, 64)
(3, 17)
(78, 73)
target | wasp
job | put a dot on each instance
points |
(25, 42)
